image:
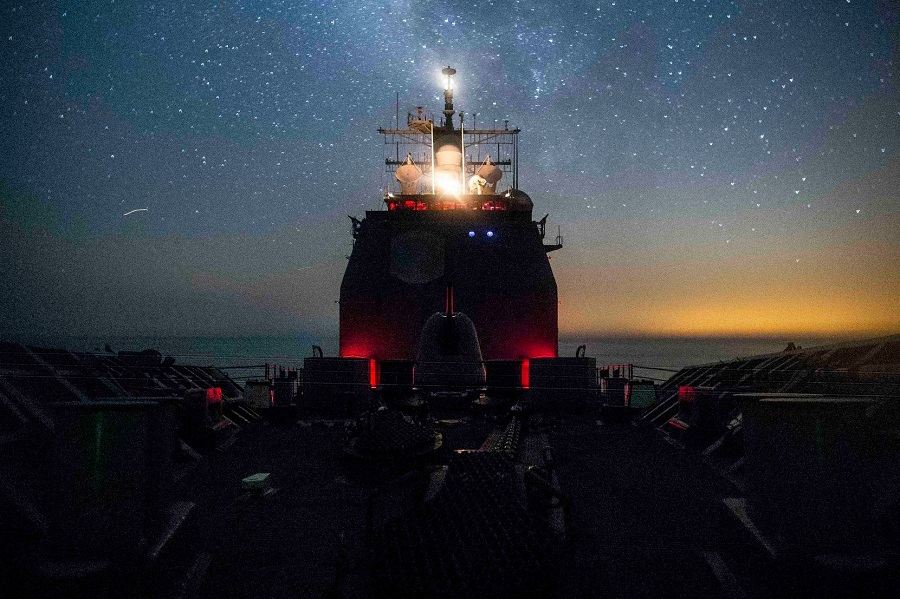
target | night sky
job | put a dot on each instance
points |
(187, 168)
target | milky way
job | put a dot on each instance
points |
(708, 162)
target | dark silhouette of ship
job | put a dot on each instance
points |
(449, 221)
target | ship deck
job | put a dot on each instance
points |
(645, 511)
(646, 520)
(286, 543)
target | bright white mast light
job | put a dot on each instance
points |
(447, 183)
(446, 80)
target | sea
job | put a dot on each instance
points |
(245, 357)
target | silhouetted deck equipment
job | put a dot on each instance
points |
(474, 538)
(810, 436)
(91, 445)
(385, 435)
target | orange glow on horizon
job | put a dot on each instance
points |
(750, 317)
(850, 290)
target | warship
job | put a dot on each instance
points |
(448, 450)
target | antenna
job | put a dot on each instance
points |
(397, 126)
(462, 146)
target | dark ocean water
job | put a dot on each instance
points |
(669, 353)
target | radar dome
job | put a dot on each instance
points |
(491, 174)
(519, 200)
(408, 174)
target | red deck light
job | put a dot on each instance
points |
(526, 373)
(686, 394)
(373, 373)
(492, 205)
(214, 395)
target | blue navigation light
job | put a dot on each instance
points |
(471, 233)
(490, 233)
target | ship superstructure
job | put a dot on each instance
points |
(453, 217)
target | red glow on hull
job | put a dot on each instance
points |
(357, 348)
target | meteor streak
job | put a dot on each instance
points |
(136, 210)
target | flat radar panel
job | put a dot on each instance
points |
(417, 257)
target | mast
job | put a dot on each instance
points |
(448, 73)
(462, 146)
(438, 143)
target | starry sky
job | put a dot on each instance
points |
(715, 168)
